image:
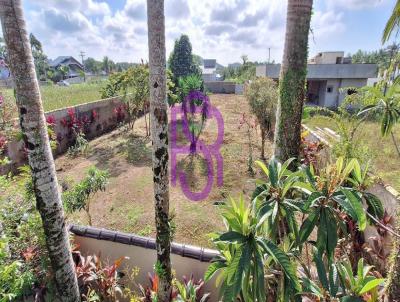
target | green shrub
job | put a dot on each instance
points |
(262, 95)
(79, 197)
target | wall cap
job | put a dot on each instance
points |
(188, 251)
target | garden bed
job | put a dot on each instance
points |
(127, 203)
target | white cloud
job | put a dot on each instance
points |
(355, 4)
(89, 7)
(325, 23)
(223, 29)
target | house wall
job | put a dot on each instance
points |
(261, 70)
(327, 57)
(331, 98)
(105, 121)
(335, 98)
(351, 83)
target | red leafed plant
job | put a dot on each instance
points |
(387, 220)
(188, 290)
(119, 113)
(51, 120)
(3, 143)
(309, 151)
(96, 277)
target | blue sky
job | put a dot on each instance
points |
(220, 29)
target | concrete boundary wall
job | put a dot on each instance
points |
(223, 87)
(111, 245)
(98, 117)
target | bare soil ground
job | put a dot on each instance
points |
(127, 203)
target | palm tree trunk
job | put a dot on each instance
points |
(292, 80)
(34, 129)
(393, 280)
(159, 135)
(395, 143)
(262, 143)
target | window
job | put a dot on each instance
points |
(329, 89)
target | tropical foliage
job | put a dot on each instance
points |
(261, 251)
(392, 24)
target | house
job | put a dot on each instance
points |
(75, 67)
(327, 73)
(210, 69)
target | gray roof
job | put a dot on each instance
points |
(326, 71)
(61, 59)
(209, 63)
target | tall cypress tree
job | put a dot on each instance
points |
(181, 59)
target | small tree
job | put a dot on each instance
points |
(80, 196)
(132, 85)
(262, 95)
(135, 92)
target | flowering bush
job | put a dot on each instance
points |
(3, 143)
(119, 113)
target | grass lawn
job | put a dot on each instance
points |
(385, 161)
(56, 97)
(127, 203)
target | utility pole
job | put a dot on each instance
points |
(269, 55)
(82, 55)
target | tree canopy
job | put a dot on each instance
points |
(181, 60)
(380, 57)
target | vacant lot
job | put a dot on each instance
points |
(56, 97)
(384, 159)
(127, 204)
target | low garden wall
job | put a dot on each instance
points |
(224, 87)
(186, 259)
(94, 118)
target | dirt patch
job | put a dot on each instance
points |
(127, 204)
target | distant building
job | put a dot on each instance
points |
(209, 70)
(75, 67)
(327, 73)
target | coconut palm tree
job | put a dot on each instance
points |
(393, 280)
(392, 24)
(159, 135)
(292, 80)
(33, 126)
